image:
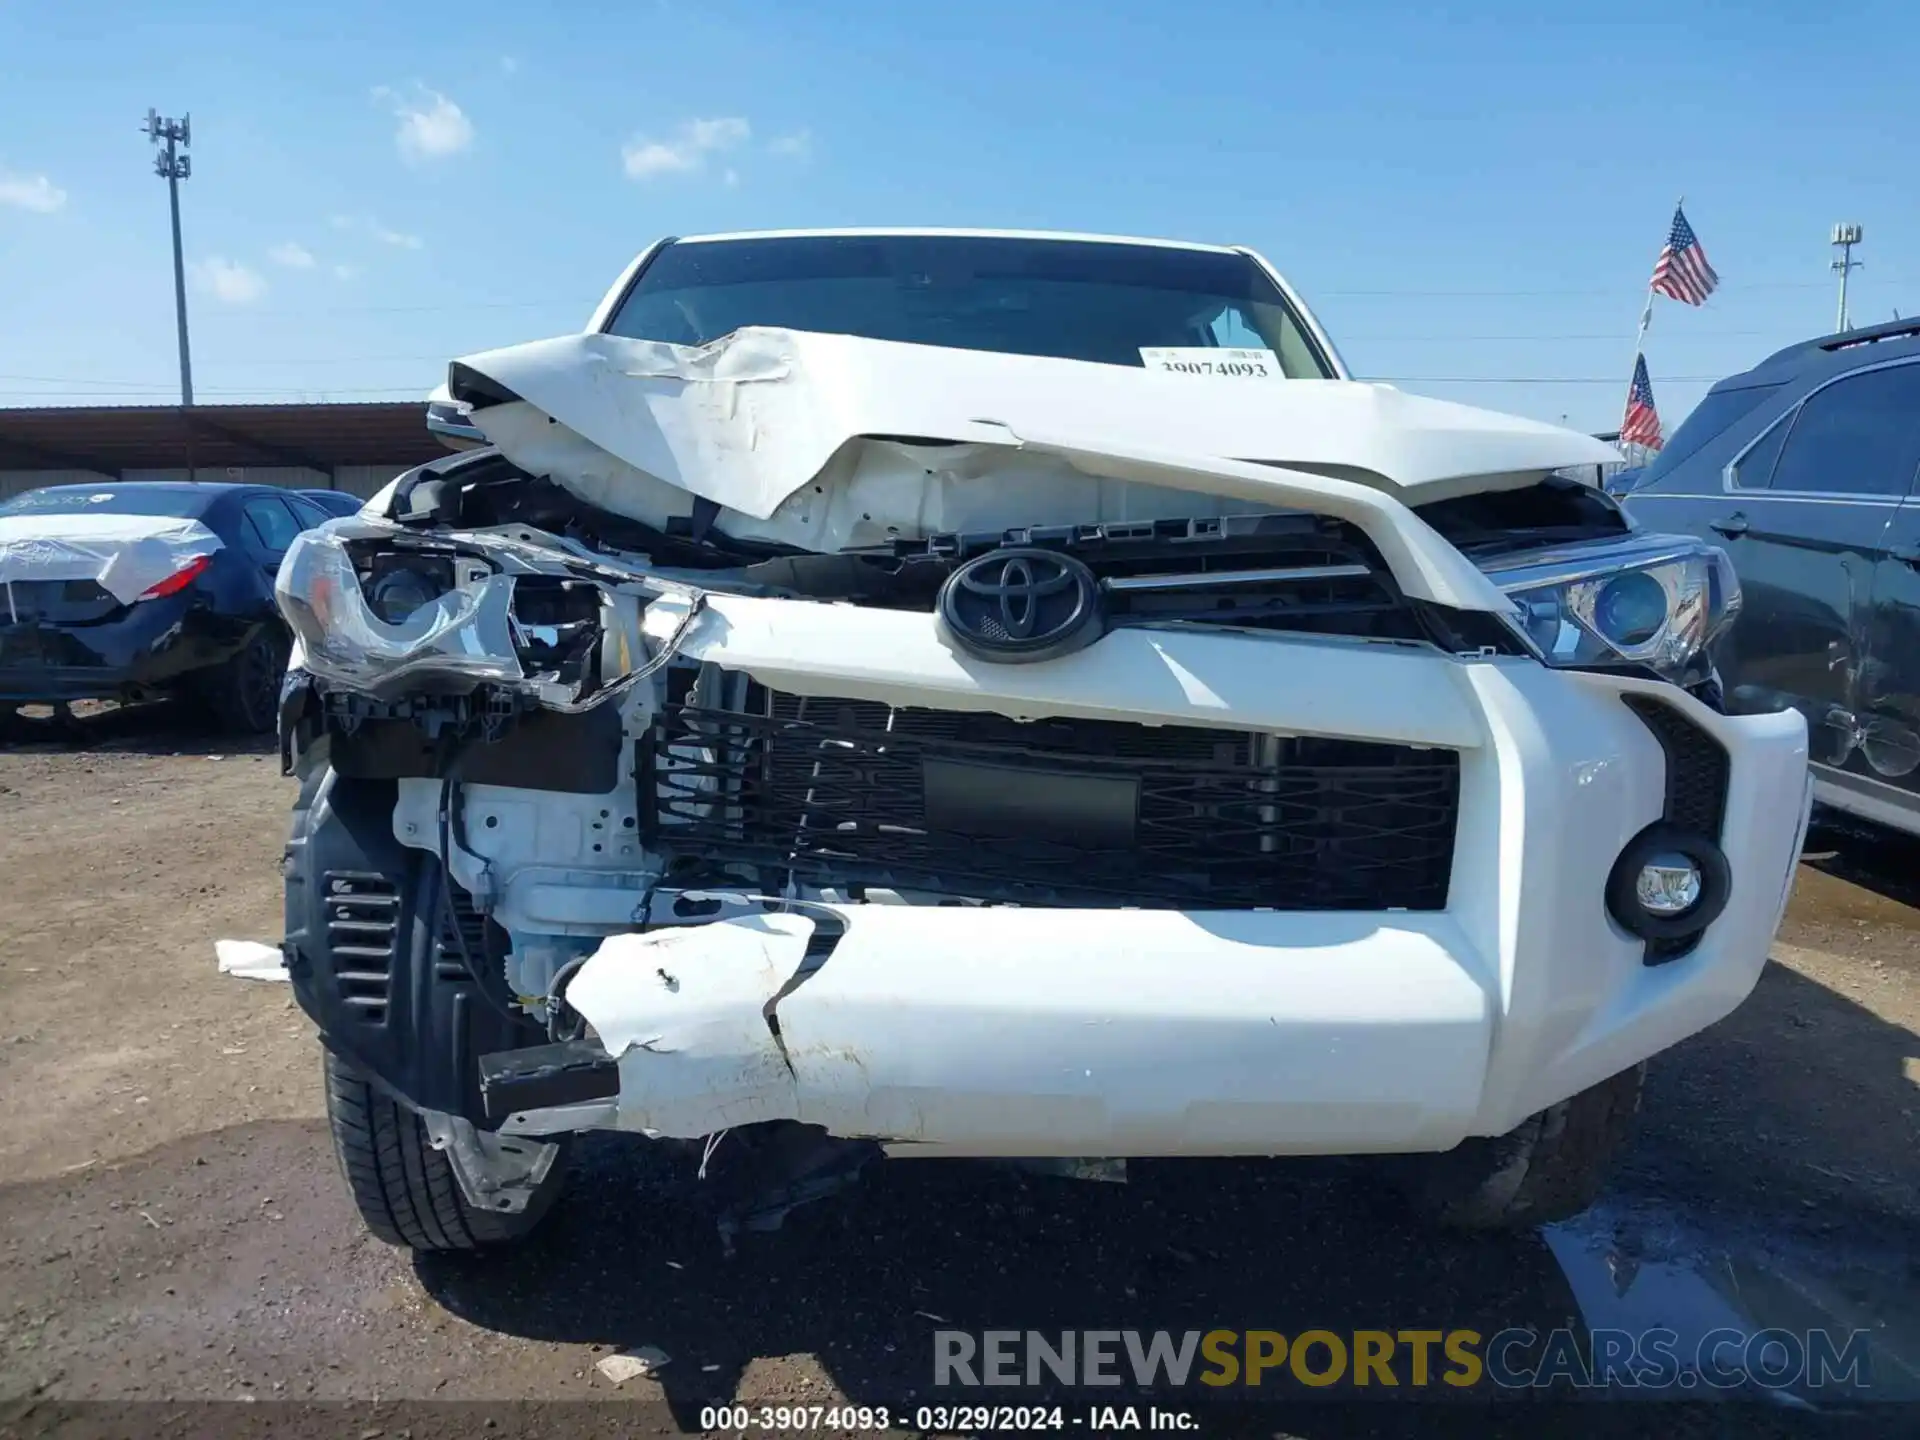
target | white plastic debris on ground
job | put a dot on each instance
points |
(125, 555)
(631, 1364)
(250, 960)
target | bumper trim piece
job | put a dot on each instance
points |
(540, 1077)
(1698, 772)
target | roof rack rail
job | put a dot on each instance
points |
(1794, 355)
(1867, 335)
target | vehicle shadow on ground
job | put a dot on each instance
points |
(160, 727)
(865, 1279)
(1796, 1113)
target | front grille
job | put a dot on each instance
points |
(1697, 767)
(363, 911)
(1059, 811)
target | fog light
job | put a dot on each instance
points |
(1668, 884)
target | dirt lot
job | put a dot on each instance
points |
(172, 1226)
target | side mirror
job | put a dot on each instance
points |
(452, 423)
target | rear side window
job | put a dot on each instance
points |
(309, 512)
(1711, 418)
(1858, 436)
(273, 524)
(1754, 470)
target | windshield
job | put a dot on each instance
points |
(1070, 299)
(108, 500)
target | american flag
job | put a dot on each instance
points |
(1642, 423)
(1682, 272)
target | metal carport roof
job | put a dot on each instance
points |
(113, 439)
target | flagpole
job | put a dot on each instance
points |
(1640, 339)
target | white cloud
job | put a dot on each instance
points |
(797, 146)
(228, 280)
(731, 179)
(717, 134)
(432, 127)
(31, 192)
(396, 238)
(687, 151)
(367, 225)
(509, 65)
(346, 272)
(291, 254)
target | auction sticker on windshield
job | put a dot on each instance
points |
(1213, 360)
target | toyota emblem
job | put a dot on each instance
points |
(1020, 604)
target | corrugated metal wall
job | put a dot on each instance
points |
(361, 480)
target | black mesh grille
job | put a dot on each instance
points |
(1697, 775)
(362, 913)
(1057, 810)
(1697, 767)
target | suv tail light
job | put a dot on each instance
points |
(179, 580)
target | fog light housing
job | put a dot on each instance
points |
(1669, 884)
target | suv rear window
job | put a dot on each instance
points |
(1069, 299)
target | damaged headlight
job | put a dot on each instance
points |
(443, 618)
(1656, 601)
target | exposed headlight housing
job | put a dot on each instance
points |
(403, 625)
(1655, 601)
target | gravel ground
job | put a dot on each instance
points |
(172, 1226)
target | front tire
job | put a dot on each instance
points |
(404, 1189)
(1549, 1167)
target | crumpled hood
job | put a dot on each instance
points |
(749, 420)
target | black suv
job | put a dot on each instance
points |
(1804, 469)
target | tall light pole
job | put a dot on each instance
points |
(173, 167)
(1845, 237)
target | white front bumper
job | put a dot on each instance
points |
(1008, 1031)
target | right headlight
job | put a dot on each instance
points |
(1652, 600)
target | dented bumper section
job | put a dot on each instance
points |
(1046, 1033)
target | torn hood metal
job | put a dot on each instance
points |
(752, 419)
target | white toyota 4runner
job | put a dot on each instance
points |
(983, 694)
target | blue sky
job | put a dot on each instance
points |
(1468, 194)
